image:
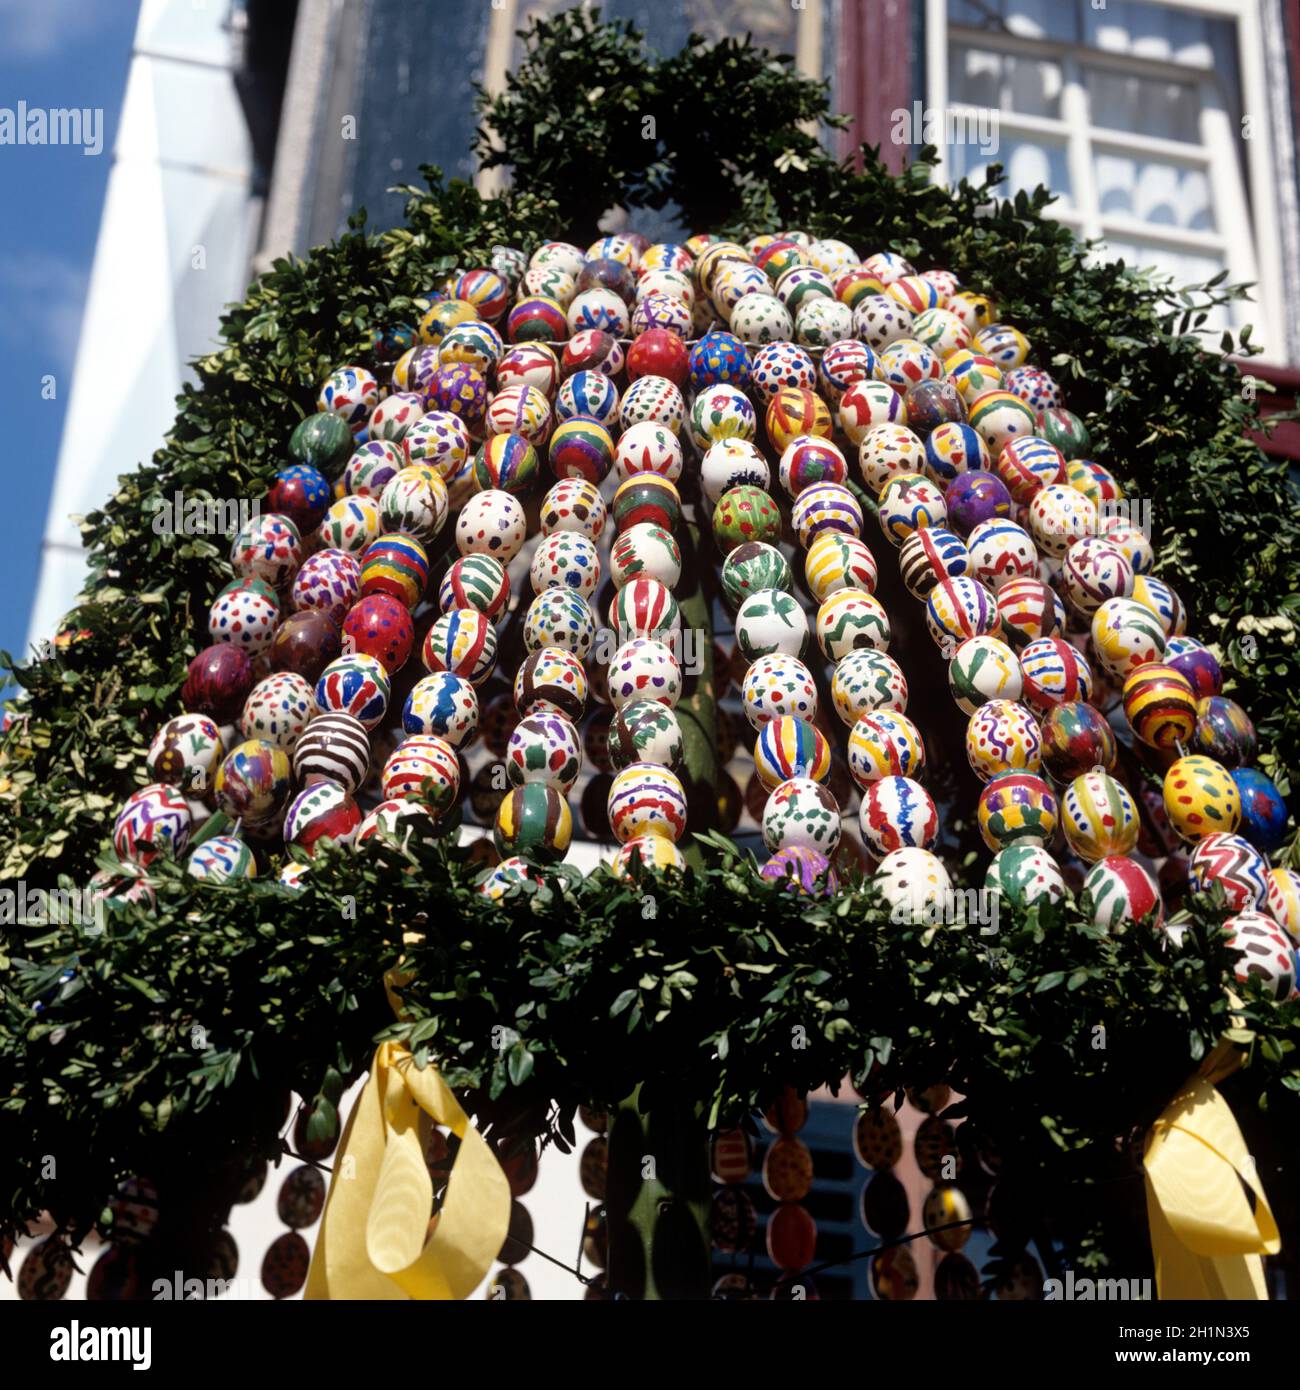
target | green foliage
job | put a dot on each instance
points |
(182, 1030)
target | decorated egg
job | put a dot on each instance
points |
(1267, 954)
(560, 617)
(1163, 601)
(1121, 890)
(905, 362)
(253, 782)
(1002, 736)
(849, 619)
(752, 567)
(867, 680)
(1017, 808)
(790, 747)
(246, 618)
(395, 564)
(1094, 571)
(888, 450)
(822, 508)
(506, 461)
(769, 621)
(844, 364)
(804, 871)
(974, 498)
(653, 398)
(186, 753)
(835, 561)
(1201, 797)
(278, 709)
(648, 447)
(646, 499)
(1159, 705)
(520, 410)
(960, 608)
(757, 319)
(732, 463)
(330, 581)
(423, 768)
(821, 322)
(1284, 900)
(301, 493)
(1001, 551)
(646, 799)
(1001, 417)
(645, 731)
(222, 859)
(463, 642)
(322, 812)
(778, 685)
(535, 823)
(915, 293)
(972, 373)
(269, 547)
(439, 439)
(443, 704)
(643, 669)
(933, 403)
(1263, 811)
(884, 743)
(462, 390)
(1027, 464)
(660, 353)
(810, 459)
(306, 643)
(155, 823)
(1054, 672)
(551, 678)
(645, 608)
(722, 412)
(897, 813)
(475, 581)
(1059, 516)
(217, 682)
(801, 813)
(573, 504)
(792, 413)
(351, 393)
(1126, 635)
(656, 853)
(581, 448)
(1075, 739)
(868, 404)
(323, 441)
(1239, 869)
(588, 393)
(356, 685)
(380, 626)
(474, 343)
(333, 748)
(645, 551)
(1224, 731)
(911, 881)
(1098, 484)
(535, 364)
(1025, 874)
(908, 503)
(983, 668)
(1029, 610)
(781, 366)
(718, 359)
(1099, 817)
(491, 523)
(544, 748)
(1197, 663)
(952, 449)
(395, 821)
(1065, 430)
(566, 559)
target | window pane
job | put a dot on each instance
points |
(1158, 32)
(1153, 190)
(1025, 163)
(1004, 82)
(1031, 19)
(1168, 110)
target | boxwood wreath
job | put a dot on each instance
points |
(169, 1044)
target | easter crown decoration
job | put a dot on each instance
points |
(260, 753)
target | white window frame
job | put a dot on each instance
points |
(1250, 253)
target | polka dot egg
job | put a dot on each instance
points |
(801, 813)
(778, 685)
(560, 617)
(867, 680)
(566, 559)
(643, 669)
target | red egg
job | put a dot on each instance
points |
(380, 626)
(659, 352)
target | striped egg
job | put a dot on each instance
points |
(335, 748)
(1121, 890)
(475, 581)
(1163, 601)
(953, 448)
(884, 743)
(1001, 417)
(1099, 817)
(897, 813)
(395, 564)
(463, 642)
(929, 556)
(1159, 705)
(836, 561)
(1027, 464)
(1017, 808)
(1284, 900)
(850, 619)
(533, 821)
(1001, 551)
(646, 799)
(1239, 869)
(1267, 953)
(1005, 344)
(960, 608)
(551, 678)
(789, 747)
(1093, 571)
(822, 508)
(1023, 874)
(1054, 672)
(645, 608)
(1029, 610)
(423, 768)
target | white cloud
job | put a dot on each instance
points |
(44, 296)
(46, 27)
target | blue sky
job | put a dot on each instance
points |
(56, 53)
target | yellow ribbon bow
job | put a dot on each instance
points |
(1210, 1221)
(372, 1242)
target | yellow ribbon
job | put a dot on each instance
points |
(1210, 1220)
(372, 1241)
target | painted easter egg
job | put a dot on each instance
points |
(644, 670)
(653, 398)
(835, 561)
(551, 678)
(1201, 797)
(1093, 571)
(1159, 705)
(1002, 736)
(491, 523)
(544, 748)
(1054, 672)
(952, 449)
(1099, 817)
(867, 404)
(648, 447)
(983, 668)
(769, 621)
(423, 768)
(1284, 900)
(911, 880)
(782, 366)
(1267, 954)
(278, 709)
(560, 617)
(217, 682)
(566, 559)
(645, 731)
(850, 619)
(463, 642)
(269, 547)
(645, 608)
(1000, 552)
(1030, 610)
(535, 823)
(1017, 808)
(1121, 890)
(974, 498)
(1027, 464)
(222, 859)
(1224, 731)
(246, 618)
(825, 507)
(442, 704)
(810, 459)
(888, 450)
(396, 564)
(323, 812)
(380, 626)
(329, 581)
(646, 799)
(959, 608)
(1197, 663)
(1263, 811)
(884, 743)
(1059, 516)
(732, 463)
(1125, 636)
(897, 813)
(333, 748)
(1075, 739)
(929, 556)
(645, 551)
(657, 853)
(1162, 599)
(506, 461)
(1025, 874)
(1232, 862)
(475, 581)
(356, 685)
(351, 393)
(1001, 417)
(574, 504)
(779, 685)
(867, 680)
(789, 747)
(186, 753)
(908, 502)
(751, 568)
(801, 812)
(155, 822)
(253, 782)
(801, 870)
(439, 439)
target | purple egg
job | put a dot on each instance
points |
(218, 682)
(802, 870)
(976, 496)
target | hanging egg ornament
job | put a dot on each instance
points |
(1054, 673)
(655, 853)
(443, 704)
(960, 608)
(868, 404)
(1197, 663)
(834, 561)
(475, 581)
(1025, 874)
(790, 747)
(1201, 797)
(253, 782)
(1121, 890)
(645, 551)
(752, 567)
(1001, 417)
(1125, 636)
(533, 822)
(643, 669)
(645, 731)
(780, 685)
(1224, 731)
(278, 709)
(1232, 862)
(1028, 464)
(867, 680)
(395, 564)
(217, 682)
(974, 498)
(908, 502)
(1264, 813)
(801, 813)
(1267, 954)
(566, 560)
(491, 523)
(155, 823)
(743, 514)
(1159, 705)
(912, 881)
(983, 668)
(246, 618)
(849, 619)
(357, 685)
(884, 743)
(1017, 808)
(1075, 739)
(574, 504)
(1284, 900)
(897, 813)
(803, 871)
(810, 459)
(551, 678)
(822, 508)
(1093, 571)
(329, 581)
(186, 753)
(771, 621)
(463, 642)
(560, 617)
(1002, 736)
(544, 748)
(222, 859)
(646, 799)
(1099, 817)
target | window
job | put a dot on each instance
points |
(1146, 117)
